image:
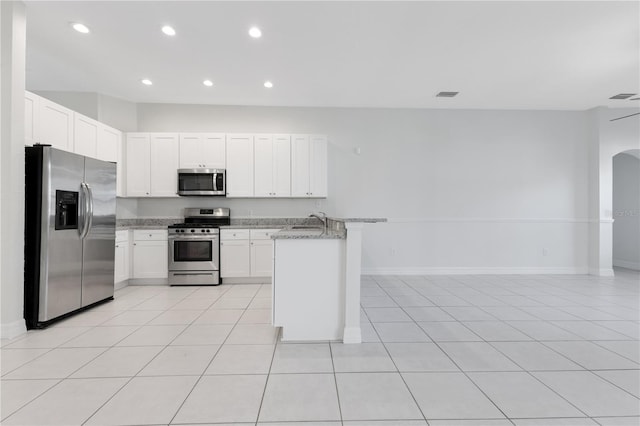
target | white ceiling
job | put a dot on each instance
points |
(503, 55)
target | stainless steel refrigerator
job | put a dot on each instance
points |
(70, 220)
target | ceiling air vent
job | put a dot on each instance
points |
(450, 94)
(623, 96)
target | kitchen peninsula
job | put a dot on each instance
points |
(316, 281)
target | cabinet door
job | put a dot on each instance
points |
(235, 259)
(282, 165)
(214, 150)
(85, 136)
(261, 258)
(317, 166)
(263, 166)
(150, 259)
(56, 125)
(239, 165)
(138, 164)
(164, 165)
(121, 262)
(191, 151)
(31, 118)
(299, 166)
(108, 141)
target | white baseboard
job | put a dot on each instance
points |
(477, 271)
(13, 329)
(149, 281)
(603, 272)
(626, 264)
(121, 285)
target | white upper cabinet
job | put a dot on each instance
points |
(31, 118)
(85, 136)
(202, 150)
(164, 164)
(239, 165)
(152, 164)
(109, 143)
(55, 125)
(138, 161)
(308, 166)
(272, 166)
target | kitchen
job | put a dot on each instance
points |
(449, 174)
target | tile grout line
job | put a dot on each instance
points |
(210, 361)
(140, 370)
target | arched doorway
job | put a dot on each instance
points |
(626, 210)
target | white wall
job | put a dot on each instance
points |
(111, 111)
(626, 211)
(464, 190)
(12, 83)
(611, 131)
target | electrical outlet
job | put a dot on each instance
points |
(392, 250)
(545, 251)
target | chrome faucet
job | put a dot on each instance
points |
(322, 217)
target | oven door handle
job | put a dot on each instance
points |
(193, 273)
(194, 237)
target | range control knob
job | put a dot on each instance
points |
(193, 230)
(202, 230)
(208, 230)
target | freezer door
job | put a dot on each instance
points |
(61, 247)
(99, 242)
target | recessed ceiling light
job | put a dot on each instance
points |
(147, 82)
(255, 32)
(168, 30)
(208, 83)
(268, 84)
(81, 28)
(446, 94)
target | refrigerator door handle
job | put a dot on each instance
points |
(87, 210)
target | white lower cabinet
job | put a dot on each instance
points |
(246, 253)
(235, 258)
(121, 272)
(150, 254)
(261, 258)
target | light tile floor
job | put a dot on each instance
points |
(438, 350)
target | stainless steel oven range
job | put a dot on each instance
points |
(194, 247)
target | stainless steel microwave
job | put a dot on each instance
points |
(202, 182)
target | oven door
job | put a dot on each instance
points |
(194, 253)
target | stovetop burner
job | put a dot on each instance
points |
(204, 218)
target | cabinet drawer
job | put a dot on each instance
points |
(122, 236)
(150, 234)
(234, 234)
(262, 234)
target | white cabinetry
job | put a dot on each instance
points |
(164, 164)
(235, 254)
(246, 253)
(202, 150)
(272, 166)
(308, 166)
(121, 272)
(239, 165)
(261, 252)
(31, 118)
(109, 144)
(152, 163)
(150, 256)
(138, 163)
(55, 125)
(85, 136)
